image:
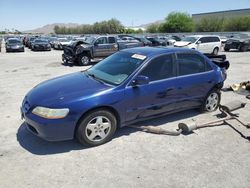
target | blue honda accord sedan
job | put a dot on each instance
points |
(128, 86)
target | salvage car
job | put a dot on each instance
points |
(240, 42)
(82, 52)
(60, 43)
(14, 45)
(40, 44)
(131, 85)
(203, 43)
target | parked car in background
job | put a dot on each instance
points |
(129, 86)
(40, 44)
(172, 39)
(128, 39)
(240, 42)
(95, 47)
(156, 41)
(60, 43)
(14, 45)
(145, 41)
(30, 40)
(203, 43)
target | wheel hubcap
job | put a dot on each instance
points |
(98, 128)
(85, 60)
(212, 101)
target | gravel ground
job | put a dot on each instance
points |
(211, 157)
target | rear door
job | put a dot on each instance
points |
(113, 46)
(101, 47)
(195, 79)
(157, 97)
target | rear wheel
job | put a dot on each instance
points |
(83, 60)
(216, 51)
(211, 101)
(96, 128)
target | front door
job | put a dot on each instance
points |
(157, 97)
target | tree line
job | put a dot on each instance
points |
(175, 22)
(112, 26)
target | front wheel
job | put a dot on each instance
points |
(212, 101)
(83, 60)
(96, 128)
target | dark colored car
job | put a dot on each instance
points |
(14, 45)
(29, 41)
(40, 44)
(240, 42)
(145, 41)
(129, 86)
(156, 41)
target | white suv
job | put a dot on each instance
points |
(203, 43)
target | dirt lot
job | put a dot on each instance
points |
(211, 157)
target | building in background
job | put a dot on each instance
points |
(222, 14)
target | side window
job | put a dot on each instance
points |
(215, 39)
(111, 40)
(159, 68)
(101, 40)
(190, 64)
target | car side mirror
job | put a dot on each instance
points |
(140, 80)
(198, 42)
(96, 43)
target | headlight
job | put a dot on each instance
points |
(50, 113)
(48, 45)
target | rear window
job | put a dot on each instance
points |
(190, 64)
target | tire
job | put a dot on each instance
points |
(83, 59)
(96, 128)
(226, 49)
(212, 101)
(216, 51)
(243, 48)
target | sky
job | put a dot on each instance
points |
(30, 14)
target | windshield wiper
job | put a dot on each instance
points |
(96, 78)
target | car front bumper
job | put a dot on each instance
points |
(48, 129)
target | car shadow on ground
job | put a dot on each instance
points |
(38, 146)
(70, 64)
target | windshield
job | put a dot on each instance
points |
(190, 39)
(42, 41)
(116, 68)
(14, 41)
(90, 40)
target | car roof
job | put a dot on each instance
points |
(154, 51)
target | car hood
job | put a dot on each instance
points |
(182, 43)
(14, 45)
(64, 89)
